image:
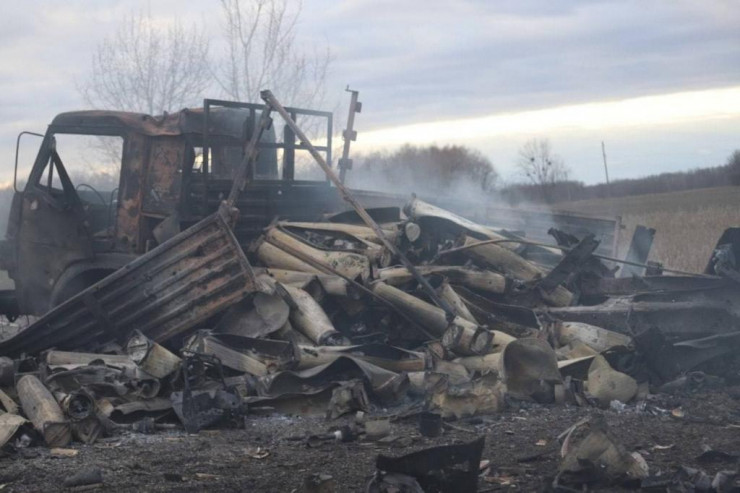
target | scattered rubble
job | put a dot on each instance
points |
(423, 314)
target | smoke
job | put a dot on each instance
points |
(451, 171)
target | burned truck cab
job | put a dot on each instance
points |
(107, 186)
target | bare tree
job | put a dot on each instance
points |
(146, 67)
(263, 54)
(540, 166)
(430, 170)
(733, 167)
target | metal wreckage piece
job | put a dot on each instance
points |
(372, 309)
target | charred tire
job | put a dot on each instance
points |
(78, 284)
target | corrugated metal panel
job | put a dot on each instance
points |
(162, 293)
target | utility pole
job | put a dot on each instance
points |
(606, 171)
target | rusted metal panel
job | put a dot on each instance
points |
(162, 293)
(128, 219)
(164, 175)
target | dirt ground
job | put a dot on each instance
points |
(521, 446)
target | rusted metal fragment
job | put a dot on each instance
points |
(275, 257)
(530, 369)
(429, 316)
(595, 337)
(467, 340)
(307, 316)
(244, 354)
(7, 371)
(9, 405)
(343, 238)
(43, 411)
(518, 320)
(387, 386)
(652, 284)
(349, 397)
(382, 355)
(424, 383)
(455, 373)
(488, 281)
(330, 284)
(151, 357)
(162, 293)
(489, 363)
(71, 360)
(310, 403)
(448, 293)
(569, 264)
(445, 468)
(161, 194)
(105, 381)
(199, 409)
(118, 410)
(599, 458)
(288, 333)
(668, 359)
(501, 259)
(9, 425)
(258, 317)
(482, 396)
(606, 384)
(677, 315)
(348, 263)
(360, 232)
(381, 214)
(574, 349)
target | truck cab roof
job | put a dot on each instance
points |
(228, 122)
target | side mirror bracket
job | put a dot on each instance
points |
(17, 147)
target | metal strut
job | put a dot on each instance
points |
(250, 155)
(349, 134)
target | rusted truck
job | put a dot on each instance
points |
(151, 177)
(108, 186)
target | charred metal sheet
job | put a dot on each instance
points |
(651, 284)
(244, 354)
(382, 355)
(569, 264)
(162, 293)
(677, 315)
(668, 360)
(438, 469)
(491, 312)
(642, 241)
(731, 237)
(388, 386)
(380, 214)
(535, 224)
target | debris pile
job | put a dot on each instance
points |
(382, 312)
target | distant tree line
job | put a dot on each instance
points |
(569, 190)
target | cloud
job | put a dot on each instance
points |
(422, 61)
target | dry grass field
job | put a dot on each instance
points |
(688, 223)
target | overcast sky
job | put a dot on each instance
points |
(658, 81)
